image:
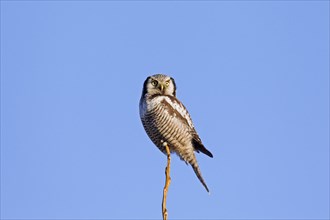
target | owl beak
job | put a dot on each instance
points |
(161, 87)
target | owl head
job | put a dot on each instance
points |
(159, 84)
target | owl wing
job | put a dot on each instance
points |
(198, 145)
(181, 112)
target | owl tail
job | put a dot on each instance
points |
(199, 175)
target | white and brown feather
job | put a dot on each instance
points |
(167, 121)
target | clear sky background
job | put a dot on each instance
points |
(254, 76)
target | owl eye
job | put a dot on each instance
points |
(167, 83)
(154, 83)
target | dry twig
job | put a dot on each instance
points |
(167, 182)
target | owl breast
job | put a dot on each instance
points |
(164, 121)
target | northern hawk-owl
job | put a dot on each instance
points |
(167, 121)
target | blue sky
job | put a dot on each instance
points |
(254, 76)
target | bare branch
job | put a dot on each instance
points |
(167, 182)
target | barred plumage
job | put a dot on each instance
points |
(167, 121)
